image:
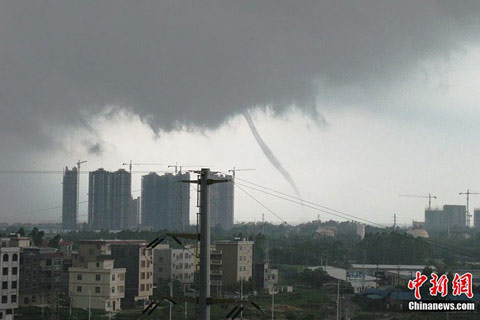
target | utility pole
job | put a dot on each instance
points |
(394, 221)
(203, 183)
(468, 193)
(338, 301)
(89, 304)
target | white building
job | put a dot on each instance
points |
(9, 266)
(99, 285)
(175, 264)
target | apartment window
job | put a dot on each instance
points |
(142, 287)
(13, 298)
(5, 285)
(120, 289)
(113, 289)
(113, 277)
(5, 257)
(4, 299)
(14, 271)
(142, 275)
(14, 284)
(97, 264)
(180, 276)
(97, 277)
(97, 289)
(148, 263)
(9, 311)
(15, 257)
(121, 276)
(79, 276)
(142, 263)
(79, 288)
(5, 271)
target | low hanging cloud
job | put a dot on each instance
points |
(197, 63)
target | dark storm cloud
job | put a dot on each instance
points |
(94, 147)
(200, 62)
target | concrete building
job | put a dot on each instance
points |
(9, 266)
(476, 219)
(237, 259)
(221, 197)
(358, 279)
(134, 213)
(40, 276)
(446, 219)
(98, 285)
(130, 255)
(173, 264)
(16, 241)
(109, 199)
(166, 201)
(265, 276)
(69, 199)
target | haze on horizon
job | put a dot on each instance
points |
(360, 101)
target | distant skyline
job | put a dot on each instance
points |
(360, 101)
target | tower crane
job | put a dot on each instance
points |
(235, 170)
(429, 197)
(177, 166)
(130, 164)
(468, 193)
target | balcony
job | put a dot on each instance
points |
(216, 262)
(216, 272)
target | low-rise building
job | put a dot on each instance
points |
(237, 259)
(98, 285)
(9, 265)
(173, 264)
(40, 276)
(129, 254)
(265, 276)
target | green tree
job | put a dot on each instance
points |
(37, 236)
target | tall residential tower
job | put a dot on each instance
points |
(69, 201)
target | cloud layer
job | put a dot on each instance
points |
(198, 63)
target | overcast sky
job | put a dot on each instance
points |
(360, 101)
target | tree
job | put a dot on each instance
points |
(37, 236)
(54, 242)
(21, 232)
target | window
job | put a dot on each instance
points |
(97, 289)
(15, 257)
(5, 257)
(5, 285)
(142, 275)
(14, 284)
(120, 289)
(5, 271)
(113, 289)
(49, 262)
(14, 271)
(79, 288)
(4, 299)
(13, 298)
(97, 264)
(160, 269)
(142, 287)
(97, 277)
(79, 276)
(113, 277)
(9, 311)
(142, 263)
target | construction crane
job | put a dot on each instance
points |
(177, 166)
(468, 193)
(130, 164)
(429, 197)
(235, 170)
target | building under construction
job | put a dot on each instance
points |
(69, 199)
(165, 201)
(220, 199)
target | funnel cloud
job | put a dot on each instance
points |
(269, 154)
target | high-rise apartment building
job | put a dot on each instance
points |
(69, 199)
(476, 219)
(109, 199)
(221, 197)
(9, 266)
(165, 201)
(451, 216)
